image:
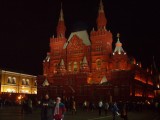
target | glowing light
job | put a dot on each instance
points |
(11, 90)
(35, 92)
(27, 91)
(8, 90)
(151, 96)
(138, 94)
(20, 97)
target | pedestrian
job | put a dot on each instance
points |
(29, 105)
(74, 107)
(124, 111)
(85, 105)
(66, 102)
(59, 110)
(24, 105)
(100, 105)
(114, 110)
(106, 107)
(47, 108)
(1, 102)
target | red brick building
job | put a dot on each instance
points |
(86, 66)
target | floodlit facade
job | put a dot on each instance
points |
(14, 82)
(86, 66)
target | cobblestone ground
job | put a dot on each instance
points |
(13, 113)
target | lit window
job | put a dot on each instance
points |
(69, 66)
(23, 82)
(14, 80)
(98, 62)
(27, 82)
(35, 83)
(75, 66)
(9, 80)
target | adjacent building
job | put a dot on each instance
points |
(17, 83)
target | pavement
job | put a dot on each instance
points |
(14, 113)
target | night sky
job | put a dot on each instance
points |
(27, 25)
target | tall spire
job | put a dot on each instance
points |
(61, 18)
(61, 28)
(118, 47)
(101, 20)
(101, 7)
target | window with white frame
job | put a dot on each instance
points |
(23, 82)
(9, 80)
(27, 81)
(14, 80)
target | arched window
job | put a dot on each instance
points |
(98, 63)
(69, 66)
(9, 80)
(23, 82)
(75, 67)
(27, 82)
(35, 83)
(14, 80)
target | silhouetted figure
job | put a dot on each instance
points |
(47, 108)
(106, 107)
(100, 105)
(74, 110)
(124, 111)
(114, 110)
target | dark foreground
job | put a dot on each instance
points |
(14, 113)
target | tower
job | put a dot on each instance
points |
(57, 53)
(119, 60)
(101, 47)
(61, 28)
(101, 19)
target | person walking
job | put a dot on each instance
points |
(47, 108)
(29, 105)
(100, 105)
(24, 105)
(124, 111)
(114, 110)
(74, 107)
(59, 110)
(106, 107)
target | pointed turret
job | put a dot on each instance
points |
(62, 66)
(61, 28)
(45, 83)
(47, 59)
(62, 63)
(101, 20)
(118, 49)
(104, 80)
(85, 66)
(85, 60)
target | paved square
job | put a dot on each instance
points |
(13, 113)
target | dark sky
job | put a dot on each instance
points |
(26, 26)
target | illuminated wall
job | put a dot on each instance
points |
(13, 82)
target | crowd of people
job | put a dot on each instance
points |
(55, 109)
(51, 110)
